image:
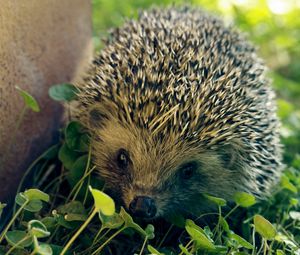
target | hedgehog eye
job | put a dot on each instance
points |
(122, 158)
(187, 170)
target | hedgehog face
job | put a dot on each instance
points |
(154, 177)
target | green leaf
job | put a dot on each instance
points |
(73, 207)
(72, 132)
(295, 215)
(67, 156)
(77, 170)
(264, 227)
(153, 250)
(150, 231)
(84, 141)
(34, 206)
(35, 194)
(62, 221)
(16, 236)
(130, 223)
(241, 241)
(209, 234)
(103, 203)
(75, 217)
(286, 184)
(63, 92)
(49, 222)
(76, 137)
(192, 224)
(280, 252)
(73, 211)
(199, 236)
(286, 240)
(29, 100)
(56, 249)
(177, 219)
(111, 222)
(220, 249)
(216, 200)
(244, 199)
(126, 217)
(31, 206)
(21, 199)
(294, 201)
(224, 224)
(44, 249)
(37, 228)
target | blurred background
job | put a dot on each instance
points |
(272, 25)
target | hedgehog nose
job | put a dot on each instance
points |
(142, 206)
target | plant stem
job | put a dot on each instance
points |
(108, 240)
(55, 180)
(187, 245)
(217, 229)
(165, 236)
(253, 241)
(28, 171)
(261, 247)
(144, 244)
(271, 247)
(97, 235)
(12, 220)
(83, 226)
(17, 244)
(95, 241)
(80, 181)
(57, 187)
(290, 237)
(265, 247)
(231, 211)
(204, 215)
(36, 244)
(292, 224)
(87, 189)
(53, 234)
(85, 171)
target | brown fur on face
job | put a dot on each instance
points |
(154, 168)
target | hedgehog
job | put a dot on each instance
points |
(179, 105)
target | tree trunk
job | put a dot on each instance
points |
(41, 43)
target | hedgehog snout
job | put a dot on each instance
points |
(143, 206)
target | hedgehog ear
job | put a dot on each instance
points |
(98, 114)
(229, 156)
(97, 117)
